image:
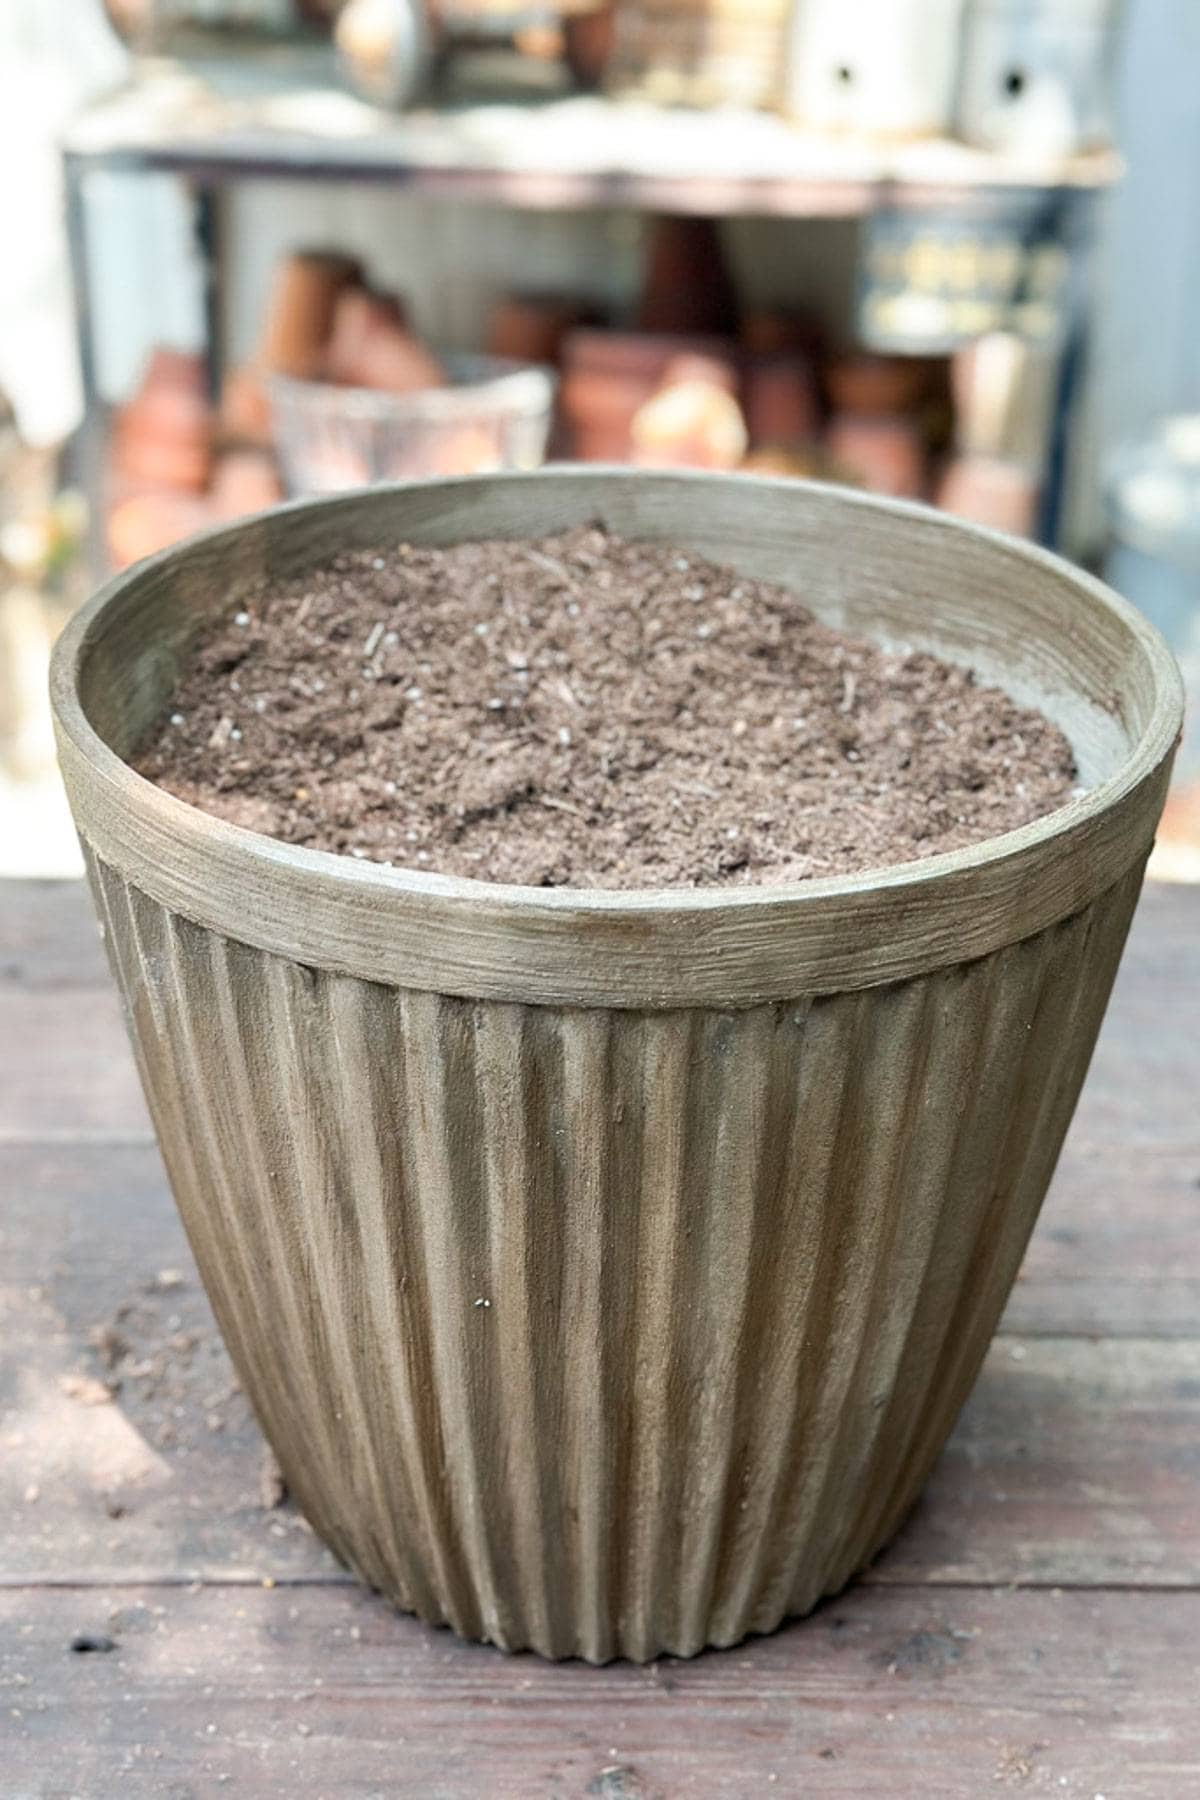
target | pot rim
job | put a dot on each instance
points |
(634, 947)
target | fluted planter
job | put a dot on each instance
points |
(607, 1269)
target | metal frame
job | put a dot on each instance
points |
(832, 182)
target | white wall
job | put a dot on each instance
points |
(1148, 341)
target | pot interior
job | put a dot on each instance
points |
(903, 576)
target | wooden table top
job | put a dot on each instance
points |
(1036, 1626)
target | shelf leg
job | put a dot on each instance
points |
(87, 453)
(1080, 234)
(206, 229)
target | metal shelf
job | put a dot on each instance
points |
(572, 151)
(214, 118)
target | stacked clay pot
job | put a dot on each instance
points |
(608, 376)
(693, 419)
(875, 430)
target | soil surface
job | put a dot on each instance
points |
(584, 711)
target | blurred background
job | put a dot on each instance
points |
(947, 249)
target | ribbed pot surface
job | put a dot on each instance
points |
(605, 1332)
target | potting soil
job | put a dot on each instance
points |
(582, 711)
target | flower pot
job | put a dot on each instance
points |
(371, 346)
(686, 285)
(485, 414)
(609, 375)
(991, 490)
(306, 290)
(607, 1269)
(531, 327)
(142, 523)
(692, 420)
(245, 481)
(780, 399)
(887, 454)
(162, 436)
(245, 416)
(858, 381)
(588, 40)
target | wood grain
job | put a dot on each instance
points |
(1115, 1250)
(49, 937)
(163, 1481)
(64, 1071)
(1074, 1462)
(902, 1692)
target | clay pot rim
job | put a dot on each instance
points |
(645, 948)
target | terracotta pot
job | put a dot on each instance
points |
(780, 400)
(990, 491)
(245, 481)
(162, 437)
(588, 39)
(767, 331)
(862, 382)
(531, 327)
(177, 371)
(371, 346)
(305, 291)
(886, 454)
(608, 375)
(245, 414)
(608, 1269)
(320, 13)
(143, 524)
(692, 420)
(686, 285)
(145, 457)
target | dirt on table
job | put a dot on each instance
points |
(583, 711)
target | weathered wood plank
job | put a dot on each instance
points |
(1165, 939)
(1074, 1461)
(1140, 1091)
(66, 1070)
(97, 1288)
(48, 936)
(1114, 1253)
(316, 1692)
